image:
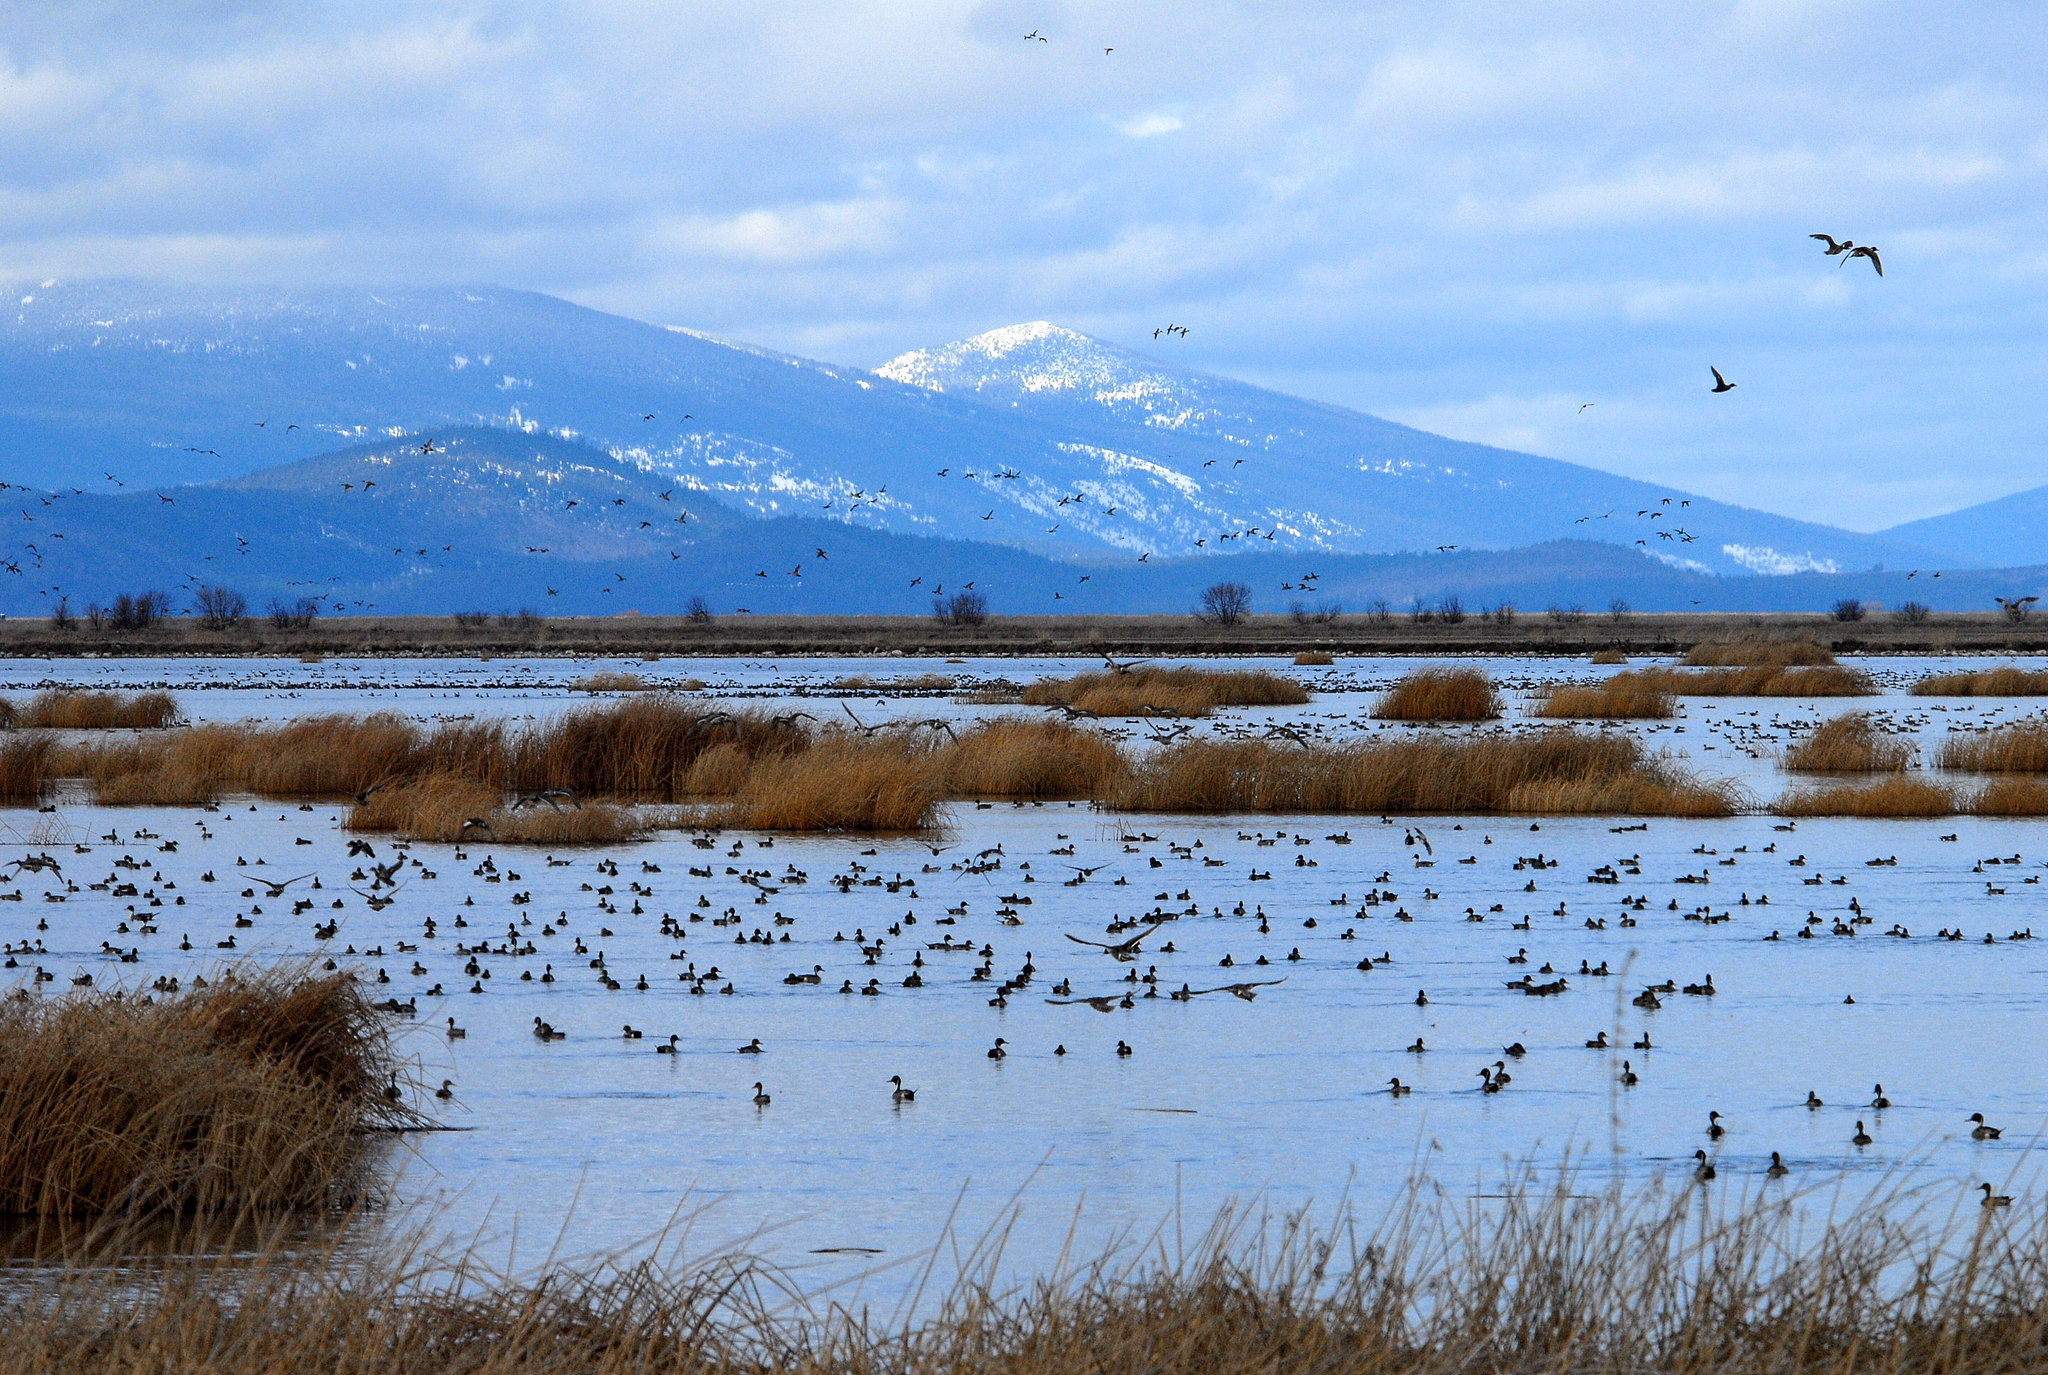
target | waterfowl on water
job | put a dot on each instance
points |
(901, 1094)
(1983, 1131)
(1715, 1131)
(1861, 1138)
(1992, 1200)
(1879, 1101)
(760, 1095)
(447, 1089)
(1778, 1169)
(1628, 1075)
(1398, 1089)
(752, 1047)
(670, 1048)
(996, 1051)
(1703, 1171)
(1813, 1100)
(456, 1033)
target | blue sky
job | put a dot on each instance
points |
(1474, 217)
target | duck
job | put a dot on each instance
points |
(669, 1048)
(760, 1095)
(446, 1091)
(1778, 1169)
(1643, 1043)
(456, 1033)
(1992, 1200)
(1861, 1138)
(1879, 1101)
(1813, 1100)
(1397, 1089)
(1515, 1051)
(628, 1033)
(1486, 1080)
(1418, 1047)
(1598, 1042)
(1629, 1078)
(1715, 1131)
(752, 1047)
(901, 1094)
(1983, 1131)
(1703, 1171)
(996, 1051)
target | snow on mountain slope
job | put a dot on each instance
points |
(1033, 436)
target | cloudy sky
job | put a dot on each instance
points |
(1474, 217)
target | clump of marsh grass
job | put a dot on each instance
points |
(253, 1094)
(610, 680)
(1552, 771)
(2012, 797)
(27, 764)
(1537, 1283)
(1896, 796)
(1849, 743)
(1312, 658)
(2003, 681)
(1757, 654)
(1021, 757)
(1165, 691)
(2021, 747)
(1440, 694)
(1759, 681)
(839, 784)
(449, 807)
(1604, 702)
(1609, 656)
(65, 709)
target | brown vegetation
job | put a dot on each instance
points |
(2021, 747)
(1897, 796)
(1609, 656)
(1312, 658)
(1757, 654)
(1849, 743)
(1440, 694)
(1560, 771)
(448, 807)
(1165, 691)
(63, 709)
(1675, 1283)
(26, 767)
(2004, 681)
(839, 784)
(253, 1094)
(610, 680)
(1605, 702)
(1021, 757)
(1763, 681)
(2012, 797)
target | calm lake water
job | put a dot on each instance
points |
(594, 1142)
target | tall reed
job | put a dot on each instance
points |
(1761, 681)
(839, 784)
(2021, 747)
(66, 709)
(1757, 654)
(253, 1094)
(2003, 681)
(1555, 771)
(1849, 743)
(1897, 796)
(1604, 702)
(1165, 691)
(1536, 1283)
(1021, 757)
(1440, 694)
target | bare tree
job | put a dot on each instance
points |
(293, 615)
(220, 608)
(1378, 612)
(1848, 609)
(962, 608)
(1450, 608)
(472, 619)
(1225, 603)
(1502, 614)
(138, 611)
(61, 617)
(1322, 613)
(697, 611)
(1912, 613)
(1566, 615)
(1617, 610)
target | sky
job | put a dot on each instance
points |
(1472, 217)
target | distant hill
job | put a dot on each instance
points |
(475, 518)
(2008, 531)
(1033, 436)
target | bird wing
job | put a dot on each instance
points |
(1717, 374)
(1097, 944)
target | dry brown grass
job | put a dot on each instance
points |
(1556, 771)
(1605, 702)
(1312, 658)
(2003, 681)
(2021, 747)
(63, 709)
(610, 680)
(251, 1095)
(27, 764)
(2012, 797)
(1832, 681)
(1849, 743)
(1021, 757)
(1440, 694)
(1165, 691)
(839, 784)
(1660, 1283)
(1897, 796)
(1757, 654)
(1609, 656)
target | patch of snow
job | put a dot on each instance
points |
(1763, 559)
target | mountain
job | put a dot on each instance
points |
(1034, 437)
(2010, 530)
(495, 520)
